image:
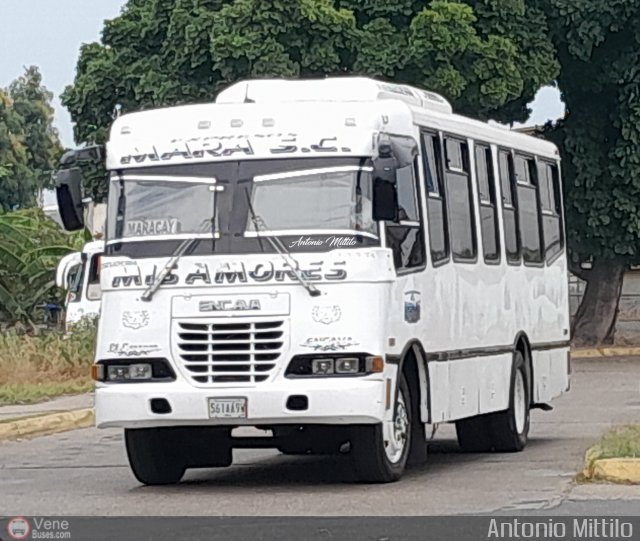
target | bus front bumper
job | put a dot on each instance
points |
(339, 401)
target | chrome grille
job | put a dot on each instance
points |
(229, 352)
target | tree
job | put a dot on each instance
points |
(16, 187)
(29, 145)
(31, 246)
(488, 56)
(598, 48)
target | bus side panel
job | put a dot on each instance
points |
(550, 374)
(494, 383)
(439, 387)
(468, 387)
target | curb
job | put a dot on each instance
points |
(605, 352)
(615, 470)
(43, 425)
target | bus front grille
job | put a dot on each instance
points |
(229, 352)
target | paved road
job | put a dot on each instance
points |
(85, 472)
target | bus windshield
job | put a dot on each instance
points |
(301, 202)
(315, 204)
(154, 207)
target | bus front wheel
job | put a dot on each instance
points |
(380, 451)
(154, 456)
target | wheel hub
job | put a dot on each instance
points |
(520, 403)
(396, 431)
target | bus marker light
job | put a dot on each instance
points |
(374, 365)
(97, 372)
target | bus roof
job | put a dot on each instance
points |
(262, 118)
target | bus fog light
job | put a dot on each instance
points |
(322, 366)
(347, 365)
(374, 365)
(136, 372)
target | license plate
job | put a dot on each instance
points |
(227, 408)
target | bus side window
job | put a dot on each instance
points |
(511, 232)
(551, 203)
(488, 204)
(74, 284)
(406, 238)
(459, 194)
(436, 197)
(94, 293)
(528, 210)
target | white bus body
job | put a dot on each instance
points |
(455, 311)
(79, 274)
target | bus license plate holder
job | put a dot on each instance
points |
(228, 408)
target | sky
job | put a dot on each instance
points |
(48, 34)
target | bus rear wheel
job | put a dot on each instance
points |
(510, 428)
(380, 451)
(504, 431)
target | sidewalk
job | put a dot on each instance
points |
(57, 415)
(56, 405)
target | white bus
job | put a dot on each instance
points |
(342, 262)
(78, 273)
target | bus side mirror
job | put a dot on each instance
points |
(385, 186)
(69, 195)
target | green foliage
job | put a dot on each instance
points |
(31, 246)
(33, 368)
(29, 145)
(620, 442)
(488, 56)
(599, 49)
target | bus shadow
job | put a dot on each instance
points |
(282, 471)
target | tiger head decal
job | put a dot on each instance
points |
(326, 314)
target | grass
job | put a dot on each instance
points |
(34, 368)
(622, 442)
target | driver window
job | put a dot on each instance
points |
(94, 293)
(406, 238)
(74, 284)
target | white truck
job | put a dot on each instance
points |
(342, 262)
(78, 273)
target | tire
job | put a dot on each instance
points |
(473, 434)
(510, 429)
(380, 452)
(311, 440)
(154, 456)
(505, 431)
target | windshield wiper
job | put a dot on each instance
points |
(170, 265)
(281, 249)
(184, 247)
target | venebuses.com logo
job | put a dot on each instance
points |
(38, 528)
(18, 528)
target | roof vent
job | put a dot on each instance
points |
(331, 89)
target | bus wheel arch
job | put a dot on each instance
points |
(523, 345)
(414, 368)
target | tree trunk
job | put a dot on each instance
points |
(595, 321)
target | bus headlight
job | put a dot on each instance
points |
(322, 367)
(358, 364)
(347, 365)
(135, 372)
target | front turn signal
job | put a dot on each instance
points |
(375, 365)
